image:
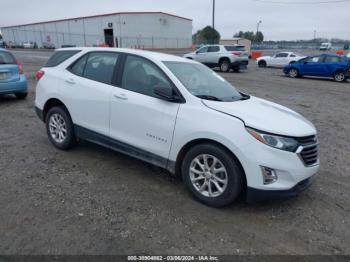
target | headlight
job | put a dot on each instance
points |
(279, 142)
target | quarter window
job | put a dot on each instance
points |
(142, 76)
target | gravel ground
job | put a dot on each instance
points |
(94, 201)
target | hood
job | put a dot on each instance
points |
(266, 116)
(192, 53)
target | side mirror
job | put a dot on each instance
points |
(166, 93)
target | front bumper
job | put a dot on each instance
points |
(20, 86)
(256, 195)
(347, 74)
(39, 113)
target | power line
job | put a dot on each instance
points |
(301, 2)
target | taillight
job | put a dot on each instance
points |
(39, 75)
(236, 53)
(20, 66)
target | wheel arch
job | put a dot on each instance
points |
(224, 58)
(52, 102)
(183, 151)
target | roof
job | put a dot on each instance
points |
(100, 15)
(148, 54)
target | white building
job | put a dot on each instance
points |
(128, 29)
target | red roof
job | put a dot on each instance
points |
(92, 16)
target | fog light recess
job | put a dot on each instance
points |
(269, 175)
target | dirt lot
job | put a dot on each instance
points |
(94, 201)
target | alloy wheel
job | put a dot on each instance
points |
(208, 175)
(58, 128)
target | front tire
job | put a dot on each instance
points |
(293, 73)
(212, 175)
(262, 64)
(339, 76)
(59, 128)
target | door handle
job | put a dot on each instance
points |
(70, 81)
(121, 96)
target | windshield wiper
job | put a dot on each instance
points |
(207, 97)
(244, 97)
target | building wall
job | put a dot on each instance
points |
(142, 30)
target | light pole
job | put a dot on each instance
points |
(214, 14)
(257, 31)
(315, 32)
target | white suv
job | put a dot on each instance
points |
(177, 114)
(225, 57)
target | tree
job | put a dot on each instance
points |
(259, 37)
(207, 35)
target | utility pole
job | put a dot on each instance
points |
(214, 14)
(257, 31)
(315, 34)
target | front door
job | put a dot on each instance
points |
(139, 119)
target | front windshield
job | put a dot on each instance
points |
(204, 83)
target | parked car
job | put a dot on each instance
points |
(348, 55)
(47, 45)
(225, 57)
(28, 45)
(278, 60)
(326, 46)
(3, 44)
(330, 66)
(12, 79)
(177, 114)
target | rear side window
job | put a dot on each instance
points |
(59, 57)
(213, 49)
(231, 48)
(332, 59)
(97, 66)
(282, 55)
(7, 58)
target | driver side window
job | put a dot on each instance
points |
(142, 76)
(203, 50)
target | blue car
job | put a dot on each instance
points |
(330, 66)
(12, 79)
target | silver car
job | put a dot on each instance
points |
(225, 57)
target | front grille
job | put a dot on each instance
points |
(309, 154)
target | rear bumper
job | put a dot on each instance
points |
(257, 195)
(39, 113)
(20, 86)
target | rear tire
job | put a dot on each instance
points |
(224, 65)
(59, 128)
(21, 96)
(212, 175)
(262, 64)
(339, 76)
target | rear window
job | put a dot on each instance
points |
(6, 58)
(231, 48)
(59, 57)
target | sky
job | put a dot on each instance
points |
(281, 19)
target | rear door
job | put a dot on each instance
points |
(88, 88)
(213, 55)
(332, 63)
(9, 70)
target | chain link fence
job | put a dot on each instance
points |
(46, 39)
